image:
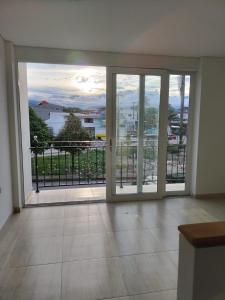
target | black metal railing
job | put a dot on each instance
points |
(79, 163)
(83, 163)
(126, 163)
(176, 163)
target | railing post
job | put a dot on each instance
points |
(103, 164)
(36, 169)
(96, 165)
(88, 167)
(72, 164)
(121, 166)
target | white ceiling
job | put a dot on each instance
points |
(168, 27)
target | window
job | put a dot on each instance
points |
(88, 120)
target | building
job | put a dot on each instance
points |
(125, 245)
(44, 108)
(93, 122)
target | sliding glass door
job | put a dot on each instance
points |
(137, 130)
(178, 133)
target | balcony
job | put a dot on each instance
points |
(76, 164)
(77, 172)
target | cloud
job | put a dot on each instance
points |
(85, 86)
(66, 98)
(84, 80)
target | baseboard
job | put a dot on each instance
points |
(210, 196)
(16, 210)
(4, 225)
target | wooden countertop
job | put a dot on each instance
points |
(204, 234)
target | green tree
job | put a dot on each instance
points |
(172, 114)
(70, 133)
(72, 110)
(152, 114)
(151, 117)
(38, 129)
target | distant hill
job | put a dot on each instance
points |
(72, 110)
(76, 103)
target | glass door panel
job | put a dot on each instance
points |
(151, 132)
(178, 120)
(135, 109)
(126, 120)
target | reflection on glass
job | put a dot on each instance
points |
(178, 113)
(151, 133)
(127, 107)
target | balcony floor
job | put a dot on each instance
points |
(87, 194)
(67, 195)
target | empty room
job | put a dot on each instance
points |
(112, 166)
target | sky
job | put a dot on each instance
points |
(67, 85)
(84, 86)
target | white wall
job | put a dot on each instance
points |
(24, 111)
(14, 127)
(209, 164)
(100, 58)
(196, 104)
(6, 206)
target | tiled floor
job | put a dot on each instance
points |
(124, 251)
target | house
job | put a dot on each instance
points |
(93, 122)
(98, 219)
(44, 108)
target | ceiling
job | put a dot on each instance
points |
(167, 27)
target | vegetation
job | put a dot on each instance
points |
(83, 162)
(72, 110)
(152, 116)
(72, 131)
(172, 114)
(39, 132)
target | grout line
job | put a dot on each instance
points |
(119, 256)
(91, 259)
(139, 294)
(29, 266)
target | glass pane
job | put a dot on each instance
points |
(127, 106)
(178, 111)
(151, 132)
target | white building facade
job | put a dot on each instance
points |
(94, 123)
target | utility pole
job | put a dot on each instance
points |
(133, 118)
(182, 95)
